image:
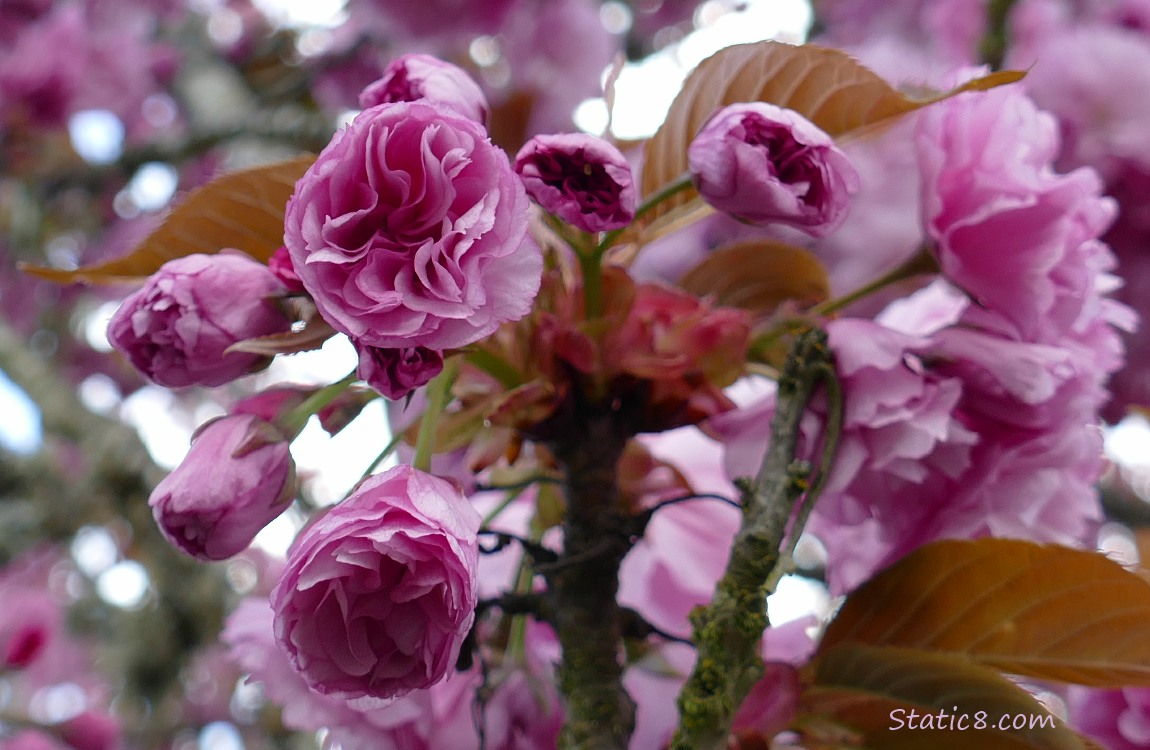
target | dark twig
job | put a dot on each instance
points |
(640, 628)
(538, 552)
(644, 518)
(530, 481)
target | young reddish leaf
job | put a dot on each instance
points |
(1042, 611)
(827, 86)
(344, 410)
(862, 693)
(759, 276)
(312, 336)
(241, 210)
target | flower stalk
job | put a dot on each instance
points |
(438, 394)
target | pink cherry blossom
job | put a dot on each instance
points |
(523, 711)
(177, 329)
(410, 230)
(582, 179)
(1010, 232)
(238, 476)
(380, 592)
(417, 77)
(765, 164)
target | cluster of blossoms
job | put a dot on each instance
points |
(972, 404)
(492, 284)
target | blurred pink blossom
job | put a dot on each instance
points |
(1119, 719)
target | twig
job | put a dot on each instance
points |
(728, 631)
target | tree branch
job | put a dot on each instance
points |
(584, 582)
(729, 630)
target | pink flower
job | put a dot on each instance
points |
(411, 230)
(379, 593)
(250, 637)
(902, 444)
(522, 709)
(31, 621)
(91, 730)
(31, 739)
(1010, 232)
(237, 477)
(583, 180)
(397, 372)
(177, 329)
(423, 77)
(764, 164)
(1120, 719)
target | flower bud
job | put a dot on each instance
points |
(237, 477)
(397, 372)
(582, 179)
(413, 77)
(764, 164)
(177, 329)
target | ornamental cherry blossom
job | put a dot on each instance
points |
(765, 164)
(439, 266)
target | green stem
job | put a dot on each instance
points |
(832, 433)
(438, 391)
(923, 262)
(516, 650)
(496, 367)
(295, 420)
(727, 632)
(673, 188)
(997, 36)
(592, 285)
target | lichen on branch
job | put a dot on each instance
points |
(727, 633)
